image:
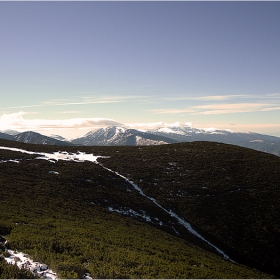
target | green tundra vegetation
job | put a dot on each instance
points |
(8, 271)
(229, 194)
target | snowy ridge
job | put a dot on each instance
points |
(170, 130)
(10, 132)
(140, 141)
(121, 136)
(188, 131)
(58, 137)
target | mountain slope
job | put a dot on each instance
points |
(120, 136)
(37, 138)
(81, 216)
(58, 137)
(9, 131)
(228, 192)
(6, 136)
(261, 142)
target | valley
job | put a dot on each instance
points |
(98, 210)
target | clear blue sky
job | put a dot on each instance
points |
(209, 63)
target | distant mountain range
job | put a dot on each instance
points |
(34, 138)
(260, 142)
(122, 136)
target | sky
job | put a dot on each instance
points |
(70, 67)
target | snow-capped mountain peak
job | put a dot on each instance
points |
(120, 136)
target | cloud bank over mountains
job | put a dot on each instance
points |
(16, 121)
(75, 127)
(237, 112)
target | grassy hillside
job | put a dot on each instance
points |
(63, 219)
(8, 271)
(229, 192)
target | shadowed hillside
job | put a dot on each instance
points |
(81, 217)
(229, 192)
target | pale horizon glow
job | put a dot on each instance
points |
(77, 127)
(70, 67)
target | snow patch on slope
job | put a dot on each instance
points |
(23, 261)
(140, 141)
(131, 213)
(80, 157)
(257, 141)
(173, 214)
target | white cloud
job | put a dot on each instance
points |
(271, 109)
(207, 97)
(152, 125)
(213, 109)
(69, 112)
(87, 100)
(9, 121)
(220, 108)
(65, 127)
(274, 95)
(76, 127)
(171, 111)
(71, 128)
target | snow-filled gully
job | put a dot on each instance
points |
(80, 157)
(172, 214)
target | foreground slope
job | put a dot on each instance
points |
(77, 216)
(230, 193)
